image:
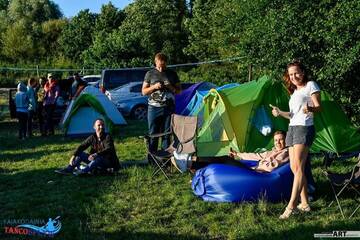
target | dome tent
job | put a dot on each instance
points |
(194, 106)
(90, 105)
(183, 99)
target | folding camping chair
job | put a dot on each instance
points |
(182, 133)
(345, 181)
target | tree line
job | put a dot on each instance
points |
(264, 34)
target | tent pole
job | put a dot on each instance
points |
(250, 72)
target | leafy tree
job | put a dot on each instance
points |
(17, 43)
(101, 50)
(33, 11)
(77, 35)
(4, 5)
(340, 68)
(51, 31)
(3, 21)
(150, 26)
(109, 19)
(268, 34)
(21, 27)
(213, 29)
(200, 24)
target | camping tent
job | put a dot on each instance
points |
(90, 105)
(183, 99)
(195, 104)
(231, 117)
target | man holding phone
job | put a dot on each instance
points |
(160, 84)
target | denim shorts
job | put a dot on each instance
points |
(300, 135)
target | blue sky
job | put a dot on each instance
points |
(70, 8)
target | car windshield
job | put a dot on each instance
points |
(92, 78)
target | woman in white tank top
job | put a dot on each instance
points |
(304, 101)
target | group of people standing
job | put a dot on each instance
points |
(38, 99)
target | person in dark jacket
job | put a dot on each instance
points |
(40, 92)
(102, 153)
(77, 86)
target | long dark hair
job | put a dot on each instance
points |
(289, 85)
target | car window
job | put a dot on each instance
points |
(92, 79)
(115, 78)
(123, 77)
(121, 88)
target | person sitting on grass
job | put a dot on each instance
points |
(102, 154)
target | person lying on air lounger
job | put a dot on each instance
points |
(268, 160)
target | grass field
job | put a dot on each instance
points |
(133, 205)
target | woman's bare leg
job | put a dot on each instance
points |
(298, 160)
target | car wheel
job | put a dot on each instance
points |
(139, 112)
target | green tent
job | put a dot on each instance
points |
(228, 120)
(90, 105)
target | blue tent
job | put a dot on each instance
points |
(183, 99)
(194, 106)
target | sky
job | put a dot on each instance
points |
(70, 8)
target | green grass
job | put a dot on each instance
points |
(132, 204)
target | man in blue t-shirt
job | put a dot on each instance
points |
(161, 85)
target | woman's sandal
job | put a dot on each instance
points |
(304, 209)
(287, 213)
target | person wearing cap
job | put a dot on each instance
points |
(52, 92)
(22, 105)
